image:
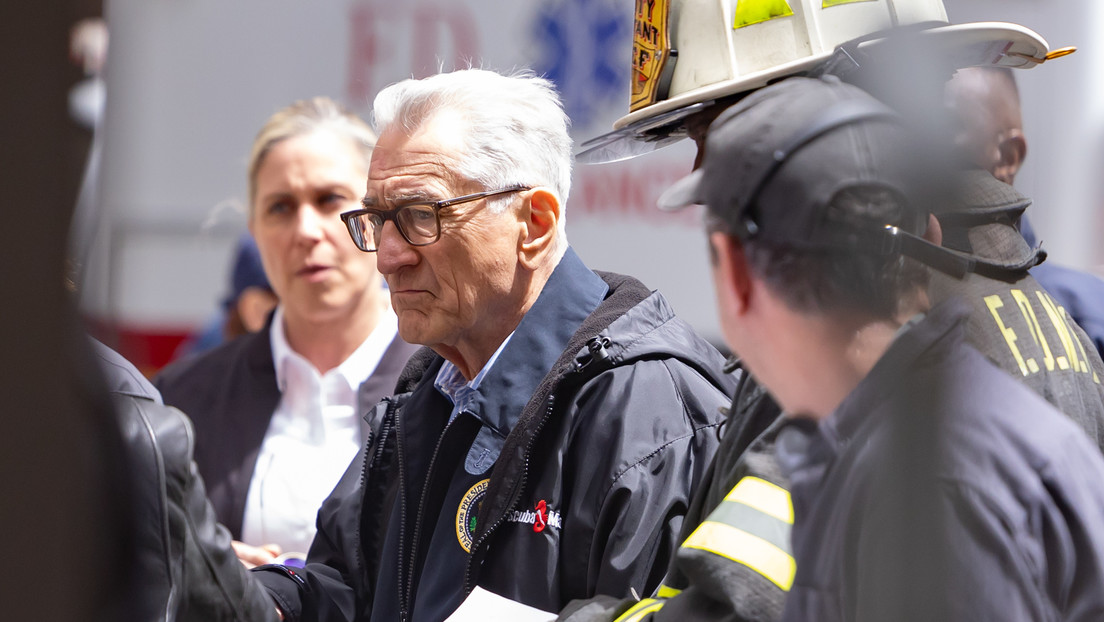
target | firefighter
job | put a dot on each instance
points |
(692, 59)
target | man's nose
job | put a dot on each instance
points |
(393, 251)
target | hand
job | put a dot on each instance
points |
(88, 44)
(252, 556)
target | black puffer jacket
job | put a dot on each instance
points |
(613, 439)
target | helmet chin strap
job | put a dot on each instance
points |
(952, 262)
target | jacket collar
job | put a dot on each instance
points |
(805, 444)
(983, 220)
(571, 294)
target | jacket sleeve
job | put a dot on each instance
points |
(324, 590)
(213, 583)
(734, 563)
(651, 455)
(317, 592)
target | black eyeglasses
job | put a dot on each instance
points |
(418, 222)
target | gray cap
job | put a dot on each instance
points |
(983, 222)
(775, 161)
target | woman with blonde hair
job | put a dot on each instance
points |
(279, 413)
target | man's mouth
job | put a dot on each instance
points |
(406, 290)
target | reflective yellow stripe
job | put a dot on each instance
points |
(666, 592)
(828, 3)
(744, 548)
(764, 496)
(750, 12)
(639, 610)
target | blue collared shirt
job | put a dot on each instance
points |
(464, 394)
(499, 392)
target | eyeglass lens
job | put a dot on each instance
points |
(416, 223)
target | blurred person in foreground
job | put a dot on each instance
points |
(543, 447)
(927, 484)
(278, 413)
(985, 104)
(185, 568)
(732, 564)
(67, 514)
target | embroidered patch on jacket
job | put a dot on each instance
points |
(539, 517)
(467, 512)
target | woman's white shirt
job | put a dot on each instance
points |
(314, 434)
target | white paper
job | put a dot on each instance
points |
(482, 605)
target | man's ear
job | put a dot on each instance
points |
(731, 273)
(253, 306)
(1011, 151)
(540, 221)
(934, 232)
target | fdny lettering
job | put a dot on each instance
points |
(1065, 335)
(1050, 341)
(1028, 312)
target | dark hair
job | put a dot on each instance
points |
(862, 279)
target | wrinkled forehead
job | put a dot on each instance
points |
(422, 162)
(443, 133)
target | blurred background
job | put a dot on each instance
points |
(185, 84)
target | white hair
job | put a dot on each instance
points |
(516, 130)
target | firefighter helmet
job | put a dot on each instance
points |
(689, 53)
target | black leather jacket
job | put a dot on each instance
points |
(186, 567)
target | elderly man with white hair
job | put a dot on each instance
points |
(544, 446)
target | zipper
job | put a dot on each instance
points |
(405, 590)
(596, 351)
(361, 562)
(597, 348)
(402, 515)
(514, 496)
(370, 460)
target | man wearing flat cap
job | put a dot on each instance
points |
(926, 482)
